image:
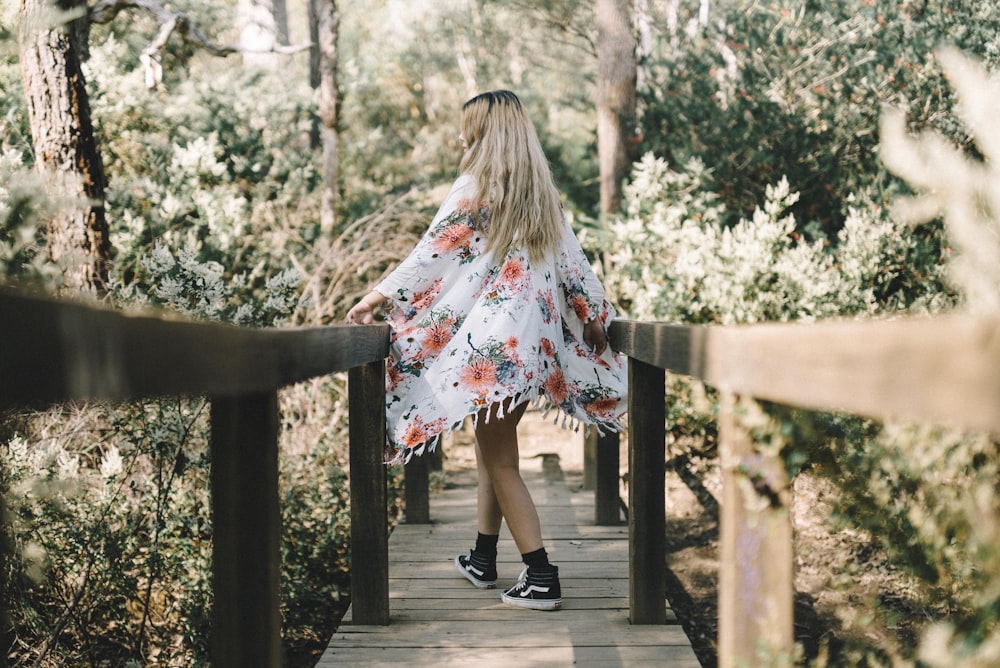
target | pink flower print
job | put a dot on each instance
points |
(415, 434)
(548, 348)
(547, 304)
(393, 377)
(479, 376)
(452, 237)
(511, 273)
(602, 409)
(510, 348)
(424, 299)
(580, 307)
(556, 387)
(437, 336)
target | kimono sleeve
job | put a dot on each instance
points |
(581, 287)
(424, 267)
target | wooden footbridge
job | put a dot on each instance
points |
(438, 619)
(944, 369)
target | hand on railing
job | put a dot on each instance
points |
(595, 337)
(363, 313)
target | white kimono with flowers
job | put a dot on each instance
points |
(471, 329)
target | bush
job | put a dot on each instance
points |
(925, 497)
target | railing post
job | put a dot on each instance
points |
(246, 527)
(589, 459)
(369, 528)
(6, 541)
(601, 463)
(756, 588)
(416, 489)
(646, 454)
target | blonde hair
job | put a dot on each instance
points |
(512, 175)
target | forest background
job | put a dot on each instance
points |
(757, 187)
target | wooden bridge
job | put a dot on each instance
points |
(438, 619)
(944, 369)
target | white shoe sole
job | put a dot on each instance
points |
(532, 603)
(476, 582)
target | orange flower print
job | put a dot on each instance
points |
(511, 272)
(580, 307)
(479, 376)
(603, 409)
(556, 387)
(393, 377)
(452, 237)
(415, 434)
(548, 348)
(426, 298)
(511, 345)
(436, 337)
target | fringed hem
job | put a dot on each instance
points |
(395, 456)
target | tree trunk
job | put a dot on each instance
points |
(64, 141)
(325, 18)
(263, 26)
(616, 81)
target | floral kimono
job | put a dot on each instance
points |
(471, 329)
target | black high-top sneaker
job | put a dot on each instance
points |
(537, 589)
(477, 569)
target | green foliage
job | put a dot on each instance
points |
(672, 257)
(22, 203)
(790, 89)
(924, 496)
(114, 536)
(761, 197)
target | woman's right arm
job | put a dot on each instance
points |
(363, 312)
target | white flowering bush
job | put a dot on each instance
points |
(672, 258)
(180, 282)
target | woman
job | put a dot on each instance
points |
(495, 308)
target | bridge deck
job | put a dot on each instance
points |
(439, 619)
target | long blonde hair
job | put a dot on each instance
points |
(512, 175)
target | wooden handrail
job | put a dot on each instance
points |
(56, 351)
(52, 351)
(944, 370)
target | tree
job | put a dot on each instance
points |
(263, 26)
(616, 98)
(324, 28)
(63, 137)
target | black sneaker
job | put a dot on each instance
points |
(477, 569)
(535, 589)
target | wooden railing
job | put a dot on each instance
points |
(53, 352)
(943, 370)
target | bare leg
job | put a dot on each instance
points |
(497, 462)
(488, 510)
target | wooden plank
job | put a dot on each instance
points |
(446, 656)
(940, 369)
(545, 630)
(646, 448)
(246, 527)
(369, 525)
(756, 561)
(677, 348)
(54, 351)
(436, 614)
